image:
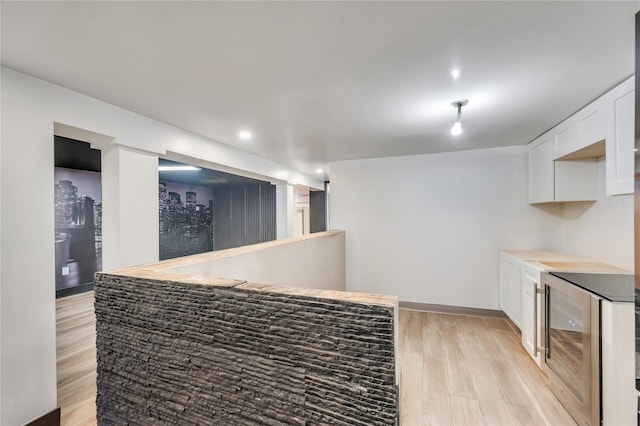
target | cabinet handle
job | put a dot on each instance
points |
(535, 318)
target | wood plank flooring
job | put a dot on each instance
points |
(455, 370)
(76, 359)
(462, 370)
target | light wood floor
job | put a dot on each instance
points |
(455, 370)
(461, 370)
(76, 359)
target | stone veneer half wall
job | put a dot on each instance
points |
(232, 353)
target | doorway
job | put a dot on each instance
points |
(78, 255)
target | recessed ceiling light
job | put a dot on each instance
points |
(183, 168)
(244, 135)
(319, 171)
(455, 73)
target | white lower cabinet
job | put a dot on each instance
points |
(528, 315)
(531, 310)
(511, 287)
(522, 298)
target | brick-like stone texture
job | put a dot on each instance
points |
(191, 354)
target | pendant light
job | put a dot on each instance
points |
(457, 126)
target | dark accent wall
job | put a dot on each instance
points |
(177, 353)
(318, 211)
(73, 154)
(243, 215)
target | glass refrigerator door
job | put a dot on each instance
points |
(566, 338)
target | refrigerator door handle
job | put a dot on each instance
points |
(536, 292)
(544, 296)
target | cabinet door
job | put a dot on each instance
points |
(511, 287)
(541, 170)
(529, 323)
(515, 292)
(590, 124)
(564, 135)
(620, 139)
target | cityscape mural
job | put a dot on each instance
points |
(78, 228)
(186, 219)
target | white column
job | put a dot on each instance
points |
(27, 279)
(130, 228)
(285, 210)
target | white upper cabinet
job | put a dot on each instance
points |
(590, 125)
(541, 174)
(620, 135)
(559, 181)
(563, 162)
(581, 130)
(564, 135)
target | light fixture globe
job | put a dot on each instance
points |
(457, 127)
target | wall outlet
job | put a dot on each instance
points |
(65, 270)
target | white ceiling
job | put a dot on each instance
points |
(317, 82)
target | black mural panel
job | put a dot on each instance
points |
(268, 212)
(318, 211)
(186, 224)
(78, 228)
(243, 214)
(73, 154)
(238, 214)
(203, 210)
(252, 215)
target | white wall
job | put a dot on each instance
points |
(31, 109)
(285, 211)
(28, 358)
(428, 228)
(130, 207)
(602, 230)
(315, 261)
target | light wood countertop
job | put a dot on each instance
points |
(545, 256)
(163, 271)
(563, 262)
